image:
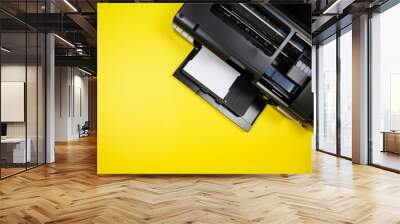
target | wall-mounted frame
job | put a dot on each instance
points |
(12, 98)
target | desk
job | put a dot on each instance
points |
(391, 141)
(13, 150)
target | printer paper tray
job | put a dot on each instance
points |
(245, 121)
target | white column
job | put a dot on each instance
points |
(63, 100)
(50, 99)
(360, 90)
(50, 92)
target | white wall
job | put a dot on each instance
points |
(71, 102)
(81, 103)
(62, 82)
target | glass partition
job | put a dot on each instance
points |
(32, 96)
(22, 88)
(14, 145)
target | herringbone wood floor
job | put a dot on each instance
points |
(69, 191)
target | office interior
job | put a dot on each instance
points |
(335, 70)
(49, 82)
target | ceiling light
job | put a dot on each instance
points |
(337, 7)
(70, 5)
(64, 40)
(5, 50)
(84, 71)
(79, 51)
(326, 11)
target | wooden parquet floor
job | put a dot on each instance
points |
(69, 191)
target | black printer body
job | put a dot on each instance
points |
(270, 50)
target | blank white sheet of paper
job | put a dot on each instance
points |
(211, 71)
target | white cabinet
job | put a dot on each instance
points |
(19, 155)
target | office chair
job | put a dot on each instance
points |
(84, 130)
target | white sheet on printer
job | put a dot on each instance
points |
(214, 73)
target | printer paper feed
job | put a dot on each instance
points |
(212, 72)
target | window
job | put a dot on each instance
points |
(346, 93)
(334, 106)
(385, 89)
(327, 96)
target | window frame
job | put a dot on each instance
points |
(334, 37)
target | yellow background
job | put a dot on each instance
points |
(149, 122)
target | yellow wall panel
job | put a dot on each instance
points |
(149, 122)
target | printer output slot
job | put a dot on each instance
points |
(278, 30)
(259, 27)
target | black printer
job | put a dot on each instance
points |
(246, 56)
